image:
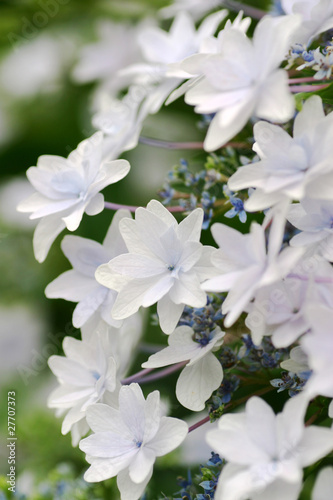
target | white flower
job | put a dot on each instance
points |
(298, 361)
(202, 374)
(314, 218)
(68, 188)
(35, 66)
(318, 346)
(245, 265)
(243, 79)
(291, 168)
(265, 452)
(127, 441)
(324, 485)
(280, 310)
(121, 121)
(79, 284)
(87, 374)
(161, 49)
(124, 340)
(115, 49)
(165, 263)
(317, 17)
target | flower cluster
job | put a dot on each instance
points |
(237, 302)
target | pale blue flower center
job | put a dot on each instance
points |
(138, 443)
(96, 375)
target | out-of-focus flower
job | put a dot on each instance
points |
(35, 66)
(68, 188)
(314, 218)
(265, 452)
(280, 310)
(165, 263)
(162, 51)
(202, 374)
(242, 79)
(317, 17)
(127, 441)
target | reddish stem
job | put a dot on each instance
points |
(116, 206)
(136, 376)
(307, 88)
(162, 373)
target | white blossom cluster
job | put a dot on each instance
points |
(282, 287)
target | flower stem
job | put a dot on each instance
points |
(158, 143)
(247, 9)
(199, 424)
(162, 373)
(307, 88)
(232, 405)
(302, 80)
(136, 376)
(116, 206)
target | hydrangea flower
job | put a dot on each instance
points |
(266, 452)
(126, 441)
(290, 167)
(87, 374)
(245, 265)
(314, 218)
(115, 48)
(165, 263)
(242, 79)
(68, 188)
(163, 51)
(280, 310)
(317, 17)
(79, 284)
(202, 374)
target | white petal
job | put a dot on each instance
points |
(108, 445)
(139, 469)
(276, 102)
(96, 205)
(190, 228)
(170, 435)
(169, 314)
(131, 296)
(316, 443)
(104, 418)
(197, 382)
(324, 484)
(261, 424)
(70, 286)
(45, 233)
(71, 372)
(132, 408)
(137, 266)
(227, 123)
(130, 490)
